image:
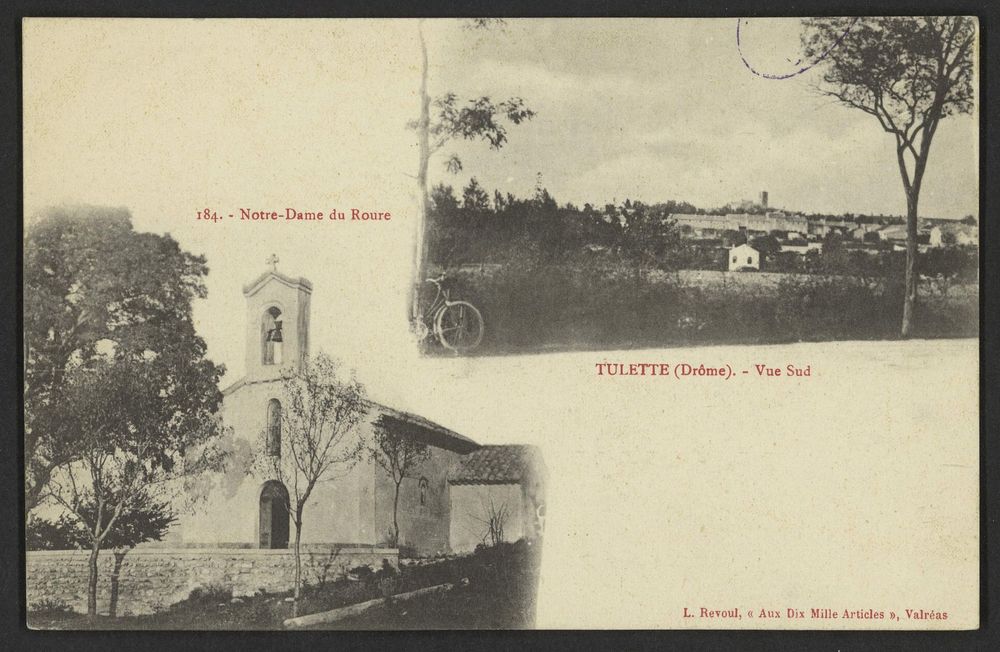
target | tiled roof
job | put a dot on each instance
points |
(503, 464)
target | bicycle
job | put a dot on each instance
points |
(458, 325)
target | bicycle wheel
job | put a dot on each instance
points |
(459, 326)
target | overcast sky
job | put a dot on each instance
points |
(666, 109)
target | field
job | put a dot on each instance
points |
(580, 307)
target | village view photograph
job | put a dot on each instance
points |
(788, 183)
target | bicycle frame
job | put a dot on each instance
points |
(442, 298)
(430, 320)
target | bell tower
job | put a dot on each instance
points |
(277, 323)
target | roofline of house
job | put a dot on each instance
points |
(255, 285)
(437, 433)
(434, 433)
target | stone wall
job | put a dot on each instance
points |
(151, 579)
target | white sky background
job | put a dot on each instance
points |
(654, 489)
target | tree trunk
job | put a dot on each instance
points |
(297, 592)
(95, 550)
(115, 576)
(910, 279)
(33, 493)
(423, 135)
(395, 518)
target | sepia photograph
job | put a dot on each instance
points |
(286, 499)
(321, 317)
(608, 185)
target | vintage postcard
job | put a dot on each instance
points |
(501, 323)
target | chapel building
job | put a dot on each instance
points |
(444, 504)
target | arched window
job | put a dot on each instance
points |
(271, 336)
(423, 491)
(274, 427)
(749, 260)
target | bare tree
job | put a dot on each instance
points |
(142, 427)
(399, 454)
(316, 438)
(909, 73)
(495, 522)
(478, 118)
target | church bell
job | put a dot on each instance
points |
(274, 335)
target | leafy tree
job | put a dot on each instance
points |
(119, 397)
(448, 230)
(733, 237)
(474, 198)
(443, 199)
(909, 73)
(475, 119)
(789, 262)
(398, 454)
(147, 520)
(319, 437)
(141, 424)
(767, 245)
(91, 282)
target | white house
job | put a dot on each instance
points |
(959, 234)
(743, 258)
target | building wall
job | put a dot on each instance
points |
(294, 302)
(424, 528)
(356, 506)
(338, 511)
(733, 221)
(744, 257)
(151, 579)
(470, 512)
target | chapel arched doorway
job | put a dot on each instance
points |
(274, 517)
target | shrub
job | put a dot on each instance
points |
(49, 606)
(536, 305)
(210, 594)
(363, 573)
(60, 534)
(387, 570)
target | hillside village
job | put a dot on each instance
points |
(800, 234)
(474, 229)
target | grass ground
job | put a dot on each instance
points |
(560, 308)
(499, 594)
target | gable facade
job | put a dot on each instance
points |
(242, 508)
